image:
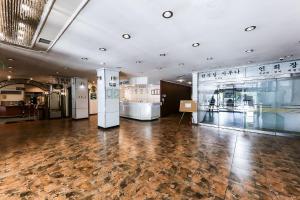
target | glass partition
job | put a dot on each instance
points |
(265, 105)
(288, 105)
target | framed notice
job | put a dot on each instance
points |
(188, 106)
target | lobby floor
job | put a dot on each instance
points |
(64, 159)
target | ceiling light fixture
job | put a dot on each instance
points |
(20, 21)
(126, 36)
(196, 44)
(180, 80)
(31, 78)
(10, 59)
(10, 67)
(25, 7)
(167, 14)
(190, 83)
(84, 58)
(21, 25)
(209, 58)
(102, 49)
(138, 62)
(9, 77)
(250, 28)
(162, 54)
(249, 51)
(281, 59)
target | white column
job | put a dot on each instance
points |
(195, 95)
(108, 98)
(79, 98)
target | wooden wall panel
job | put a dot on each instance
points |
(171, 94)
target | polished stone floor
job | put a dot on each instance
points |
(64, 159)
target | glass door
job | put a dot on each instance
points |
(230, 106)
(208, 104)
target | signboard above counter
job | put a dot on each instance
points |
(235, 73)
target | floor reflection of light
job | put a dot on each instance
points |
(242, 155)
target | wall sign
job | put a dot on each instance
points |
(273, 69)
(251, 71)
(223, 74)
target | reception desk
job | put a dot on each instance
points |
(140, 111)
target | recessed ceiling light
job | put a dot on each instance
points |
(281, 58)
(190, 83)
(167, 14)
(196, 44)
(249, 51)
(9, 77)
(10, 67)
(102, 49)
(209, 58)
(31, 78)
(84, 58)
(162, 54)
(126, 36)
(180, 80)
(250, 28)
(11, 59)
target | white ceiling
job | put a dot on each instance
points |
(217, 25)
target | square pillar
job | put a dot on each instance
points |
(80, 104)
(195, 96)
(108, 90)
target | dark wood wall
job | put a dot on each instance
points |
(170, 96)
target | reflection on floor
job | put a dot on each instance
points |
(64, 159)
(15, 119)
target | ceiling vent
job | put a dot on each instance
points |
(44, 41)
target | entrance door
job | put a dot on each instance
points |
(231, 108)
(208, 113)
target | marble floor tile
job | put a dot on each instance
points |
(65, 159)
